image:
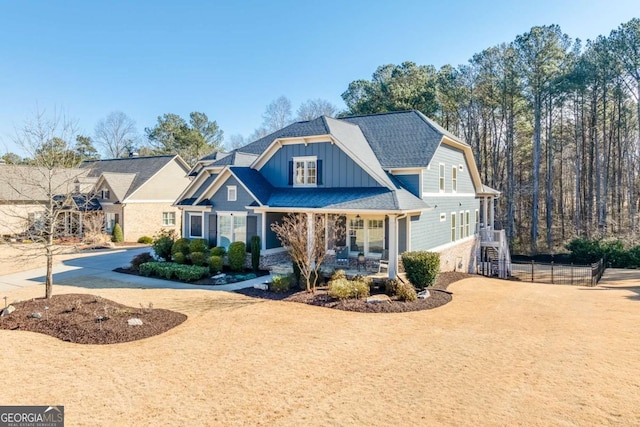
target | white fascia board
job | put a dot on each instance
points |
(219, 182)
(279, 142)
(175, 158)
(406, 171)
(468, 154)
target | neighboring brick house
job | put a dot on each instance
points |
(138, 193)
(396, 181)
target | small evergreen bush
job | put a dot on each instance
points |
(181, 245)
(346, 289)
(162, 245)
(145, 240)
(116, 234)
(198, 258)
(297, 275)
(338, 274)
(198, 245)
(140, 259)
(219, 251)
(422, 267)
(179, 258)
(215, 264)
(255, 252)
(280, 284)
(237, 256)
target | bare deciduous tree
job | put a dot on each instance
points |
(116, 134)
(313, 108)
(304, 237)
(40, 201)
(277, 114)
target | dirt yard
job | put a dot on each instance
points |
(501, 353)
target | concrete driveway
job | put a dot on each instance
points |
(94, 270)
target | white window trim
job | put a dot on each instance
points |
(191, 215)
(477, 221)
(442, 178)
(232, 190)
(230, 214)
(467, 223)
(366, 234)
(305, 159)
(169, 215)
(453, 227)
(461, 225)
(454, 179)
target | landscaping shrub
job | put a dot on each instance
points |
(255, 252)
(280, 284)
(345, 289)
(422, 267)
(145, 240)
(198, 245)
(215, 264)
(181, 245)
(179, 258)
(140, 259)
(237, 255)
(219, 251)
(169, 270)
(116, 234)
(405, 291)
(338, 274)
(162, 245)
(198, 258)
(586, 251)
(391, 286)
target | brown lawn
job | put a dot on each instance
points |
(501, 353)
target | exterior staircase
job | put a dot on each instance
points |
(494, 258)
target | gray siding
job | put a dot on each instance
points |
(450, 157)
(402, 235)
(338, 169)
(220, 202)
(428, 232)
(411, 183)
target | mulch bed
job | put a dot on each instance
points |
(74, 318)
(439, 296)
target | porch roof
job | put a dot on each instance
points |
(376, 198)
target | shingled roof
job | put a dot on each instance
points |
(143, 168)
(299, 129)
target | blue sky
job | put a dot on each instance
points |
(230, 59)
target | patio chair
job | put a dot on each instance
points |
(342, 256)
(384, 261)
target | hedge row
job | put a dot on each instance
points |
(170, 270)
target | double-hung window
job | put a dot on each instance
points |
(454, 179)
(441, 177)
(305, 171)
(168, 219)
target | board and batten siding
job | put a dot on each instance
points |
(450, 157)
(338, 169)
(220, 202)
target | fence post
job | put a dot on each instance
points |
(572, 273)
(532, 263)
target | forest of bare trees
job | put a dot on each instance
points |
(554, 124)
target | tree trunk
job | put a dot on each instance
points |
(536, 173)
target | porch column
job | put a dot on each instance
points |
(310, 236)
(393, 246)
(492, 212)
(485, 214)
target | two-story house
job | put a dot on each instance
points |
(396, 182)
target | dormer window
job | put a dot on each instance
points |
(305, 171)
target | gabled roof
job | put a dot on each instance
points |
(401, 139)
(120, 183)
(313, 127)
(143, 167)
(236, 158)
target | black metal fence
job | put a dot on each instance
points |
(560, 274)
